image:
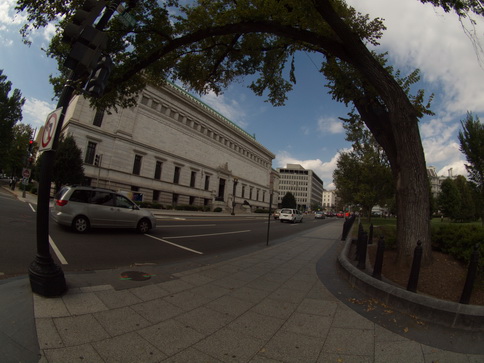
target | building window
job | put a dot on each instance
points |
(243, 191)
(192, 201)
(90, 152)
(158, 170)
(207, 182)
(98, 117)
(175, 199)
(156, 195)
(193, 177)
(221, 190)
(176, 176)
(137, 164)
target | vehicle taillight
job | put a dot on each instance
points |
(61, 202)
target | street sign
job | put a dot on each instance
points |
(25, 181)
(26, 173)
(49, 130)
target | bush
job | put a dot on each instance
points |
(218, 209)
(458, 240)
(187, 207)
(260, 210)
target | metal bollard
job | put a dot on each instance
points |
(379, 259)
(417, 259)
(362, 251)
(346, 228)
(370, 237)
(471, 276)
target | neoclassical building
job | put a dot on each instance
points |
(173, 149)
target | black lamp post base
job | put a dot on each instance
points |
(47, 279)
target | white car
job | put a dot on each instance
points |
(82, 208)
(290, 215)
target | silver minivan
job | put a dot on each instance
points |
(290, 215)
(82, 208)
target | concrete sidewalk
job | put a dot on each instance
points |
(267, 306)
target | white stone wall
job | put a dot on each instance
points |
(172, 127)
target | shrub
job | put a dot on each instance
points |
(458, 240)
(156, 205)
(218, 209)
(260, 210)
(187, 207)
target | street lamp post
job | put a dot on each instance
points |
(233, 196)
(46, 277)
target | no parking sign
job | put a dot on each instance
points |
(49, 130)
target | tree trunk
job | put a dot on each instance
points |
(395, 126)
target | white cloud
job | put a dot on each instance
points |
(8, 15)
(231, 109)
(35, 111)
(455, 168)
(438, 44)
(330, 125)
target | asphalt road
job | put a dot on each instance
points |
(175, 239)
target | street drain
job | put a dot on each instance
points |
(135, 276)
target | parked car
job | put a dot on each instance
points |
(82, 208)
(276, 213)
(319, 215)
(290, 215)
(340, 215)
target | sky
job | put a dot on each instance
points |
(307, 130)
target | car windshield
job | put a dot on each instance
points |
(286, 211)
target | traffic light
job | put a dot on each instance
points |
(82, 18)
(96, 160)
(86, 51)
(99, 77)
(87, 41)
(31, 145)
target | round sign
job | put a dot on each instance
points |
(49, 129)
(26, 173)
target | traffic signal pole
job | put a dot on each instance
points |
(46, 277)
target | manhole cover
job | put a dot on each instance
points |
(135, 276)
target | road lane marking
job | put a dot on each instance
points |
(32, 207)
(209, 234)
(174, 244)
(57, 252)
(185, 225)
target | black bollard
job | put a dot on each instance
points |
(346, 228)
(379, 259)
(471, 276)
(362, 251)
(417, 259)
(370, 237)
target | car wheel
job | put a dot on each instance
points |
(80, 224)
(282, 221)
(144, 226)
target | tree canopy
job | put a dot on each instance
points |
(288, 201)
(471, 139)
(10, 113)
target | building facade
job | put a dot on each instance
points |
(436, 180)
(304, 184)
(172, 149)
(329, 200)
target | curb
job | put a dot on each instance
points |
(442, 312)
